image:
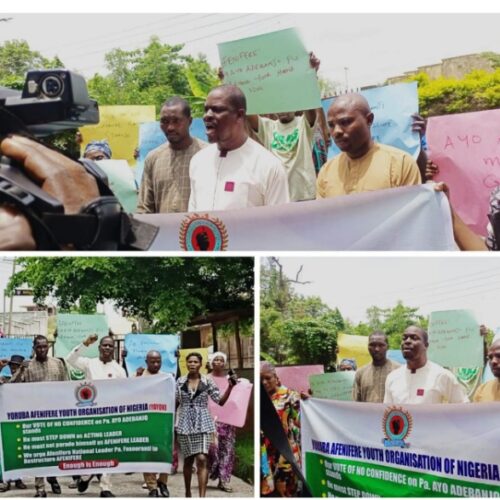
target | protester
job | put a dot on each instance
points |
(490, 391)
(165, 185)
(278, 478)
(195, 426)
(421, 381)
(363, 165)
(347, 365)
(221, 453)
(290, 138)
(102, 368)
(153, 365)
(234, 171)
(42, 368)
(369, 382)
(98, 150)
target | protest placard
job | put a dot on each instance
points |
(273, 71)
(10, 346)
(392, 106)
(466, 147)
(400, 451)
(121, 181)
(406, 218)
(139, 344)
(73, 329)
(182, 359)
(91, 427)
(297, 377)
(119, 125)
(450, 329)
(337, 385)
(234, 411)
(353, 346)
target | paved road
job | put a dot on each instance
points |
(131, 486)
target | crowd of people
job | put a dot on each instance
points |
(207, 446)
(417, 381)
(250, 161)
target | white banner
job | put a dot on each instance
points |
(87, 427)
(408, 218)
(365, 449)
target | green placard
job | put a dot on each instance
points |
(336, 385)
(72, 329)
(454, 339)
(273, 71)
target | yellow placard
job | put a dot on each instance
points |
(353, 346)
(119, 125)
(182, 359)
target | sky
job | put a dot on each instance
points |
(372, 47)
(431, 283)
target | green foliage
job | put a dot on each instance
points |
(16, 58)
(152, 75)
(244, 463)
(478, 90)
(167, 292)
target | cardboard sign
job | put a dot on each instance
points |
(466, 147)
(337, 385)
(10, 346)
(297, 377)
(353, 346)
(454, 339)
(273, 71)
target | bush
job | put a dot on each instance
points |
(244, 464)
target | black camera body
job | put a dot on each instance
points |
(51, 101)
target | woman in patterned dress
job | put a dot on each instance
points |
(277, 476)
(221, 453)
(195, 426)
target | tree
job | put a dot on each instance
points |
(167, 292)
(16, 58)
(151, 75)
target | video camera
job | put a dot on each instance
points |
(53, 101)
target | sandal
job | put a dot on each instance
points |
(225, 487)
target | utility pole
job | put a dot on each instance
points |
(11, 299)
(346, 79)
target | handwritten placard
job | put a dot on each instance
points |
(119, 125)
(234, 411)
(182, 359)
(139, 344)
(273, 71)
(10, 346)
(392, 107)
(297, 377)
(337, 385)
(353, 346)
(73, 329)
(466, 147)
(454, 339)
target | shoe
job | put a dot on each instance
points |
(153, 493)
(56, 488)
(41, 493)
(144, 486)
(73, 485)
(82, 485)
(19, 484)
(5, 487)
(163, 489)
(106, 493)
(225, 487)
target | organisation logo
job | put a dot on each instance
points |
(397, 424)
(85, 394)
(203, 233)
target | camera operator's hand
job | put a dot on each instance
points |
(15, 231)
(61, 177)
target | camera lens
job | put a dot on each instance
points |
(52, 86)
